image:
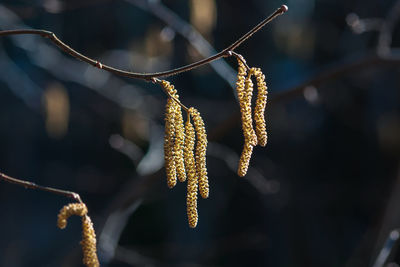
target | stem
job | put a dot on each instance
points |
(32, 185)
(241, 58)
(147, 76)
(155, 80)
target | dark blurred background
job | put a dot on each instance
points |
(324, 192)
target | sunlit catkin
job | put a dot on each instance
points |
(79, 209)
(169, 143)
(244, 88)
(179, 143)
(245, 159)
(249, 134)
(192, 181)
(201, 150)
(259, 110)
(88, 243)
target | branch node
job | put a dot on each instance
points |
(283, 9)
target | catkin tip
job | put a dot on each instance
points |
(67, 211)
(244, 160)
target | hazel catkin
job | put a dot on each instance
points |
(201, 150)
(244, 88)
(250, 134)
(259, 110)
(179, 143)
(169, 143)
(192, 181)
(244, 160)
(88, 243)
(67, 211)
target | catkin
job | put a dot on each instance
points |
(179, 143)
(192, 181)
(169, 143)
(201, 150)
(174, 139)
(259, 110)
(79, 209)
(88, 243)
(245, 159)
(250, 134)
(244, 88)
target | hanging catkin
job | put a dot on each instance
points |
(201, 150)
(88, 242)
(169, 143)
(179, 142)
(259, 110)
(192, 180)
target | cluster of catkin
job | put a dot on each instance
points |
(185, 151)
(88, 242)
(244, 87)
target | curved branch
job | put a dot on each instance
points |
(147, 76)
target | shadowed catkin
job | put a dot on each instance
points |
(201, 150)
(192, 181)
(259, 110)
(88, 242)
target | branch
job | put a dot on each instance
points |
(32, 185)
(147, 76)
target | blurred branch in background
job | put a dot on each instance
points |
(66, 69)
(388, 233)
(185, 29)
(20, 83)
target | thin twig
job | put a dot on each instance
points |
(147, 76)
(31, 185)
(158, 81)
(241, 58)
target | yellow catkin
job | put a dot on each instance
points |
(179, 143)
(259, 110)
(79, 209)
(192, 183)
(174, 138)
(88, 243)
(169, 143)
(250, 134)
(245, 159)
(201, 150)
(244, 88)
